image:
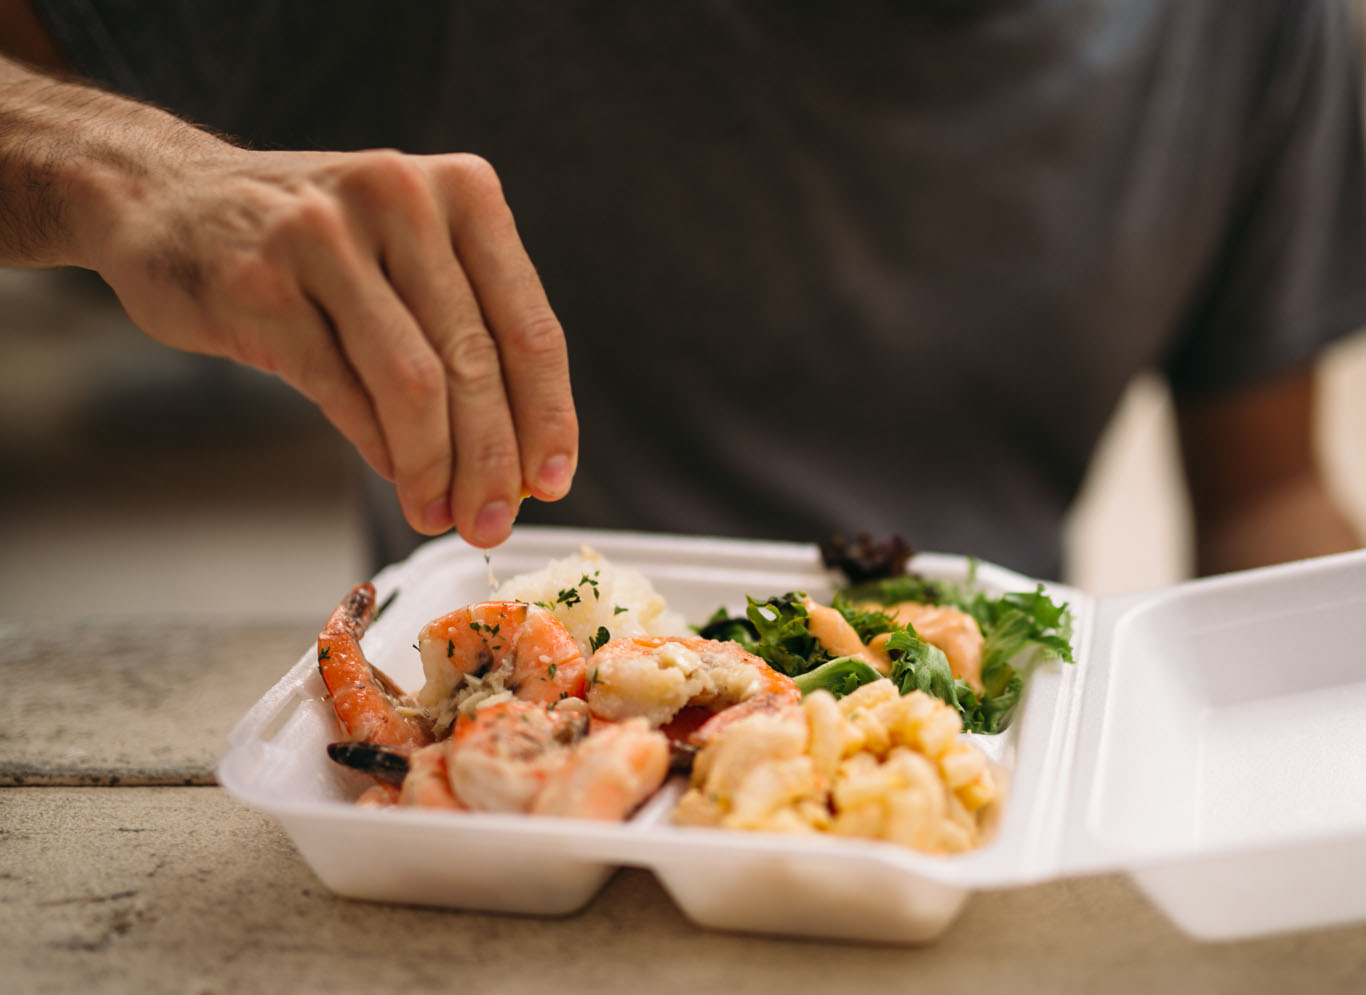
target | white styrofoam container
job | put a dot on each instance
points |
(1210, 740)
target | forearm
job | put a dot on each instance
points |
(1296, 520)
(1257, 490)
(69, 154)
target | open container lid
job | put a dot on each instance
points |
(1219, 748)
(1210, 740)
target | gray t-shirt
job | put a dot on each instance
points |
(879, 266)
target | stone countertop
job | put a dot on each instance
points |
(122, 868)
(131, 701)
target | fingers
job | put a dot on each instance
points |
(452, 254)
(399, 372)
(394, 291)
(316, 368)
(422, 265)
(529, 337)
(268, 321)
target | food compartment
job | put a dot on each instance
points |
(1232, 767)
(467, 861)
(278, 763)
(832, 888)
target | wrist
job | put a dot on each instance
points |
(116, 176)
(75, 163)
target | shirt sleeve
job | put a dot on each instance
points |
(1291, 274)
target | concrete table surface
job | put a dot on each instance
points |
(122, 870)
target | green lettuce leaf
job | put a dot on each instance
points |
(784, 635)
(838, 676)
(919, 666)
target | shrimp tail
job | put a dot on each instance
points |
(384, 763)
(368, 704)
(355, 613)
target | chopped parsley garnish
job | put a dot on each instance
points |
(384, 605)
(596, 640)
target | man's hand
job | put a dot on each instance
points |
(392, 290)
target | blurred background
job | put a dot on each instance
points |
(138, 480)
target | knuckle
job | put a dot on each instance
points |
(388, 177)
(314, 216)
(428, 471)
(538, 336)
(471, 361)
(492, 456)
(556, 418)
(382, 159)
(477, 177)
(418, 375)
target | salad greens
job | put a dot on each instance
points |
(1020, 631)
(838, 676)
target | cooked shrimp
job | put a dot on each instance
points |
(680, 680)
(608, 773)
(502, 756)
(518, 756)
(379, 796)
(428, 783)
(369, 706)
(494, 651)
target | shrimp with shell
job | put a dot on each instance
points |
(369, 706)
(479, 654)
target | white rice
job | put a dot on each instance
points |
(586, 593)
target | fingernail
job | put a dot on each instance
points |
(438, 515)
(555, 473)
(493, 522)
